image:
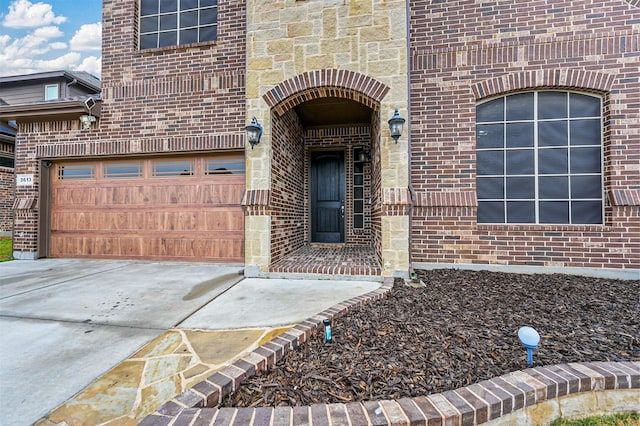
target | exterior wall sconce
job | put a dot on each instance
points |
(254, 132)
(87, 120)
(395, 125)
(363, 155)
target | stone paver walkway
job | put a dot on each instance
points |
(165, 367)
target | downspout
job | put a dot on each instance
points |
(410, 186)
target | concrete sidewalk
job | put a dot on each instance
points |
(107, 342)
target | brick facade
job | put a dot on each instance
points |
(152, 103)
(423, 203)
(464, 52)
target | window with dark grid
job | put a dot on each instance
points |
(539, 159)
(166, 23)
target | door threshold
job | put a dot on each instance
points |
(328, 245)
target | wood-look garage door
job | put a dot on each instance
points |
(161, 208)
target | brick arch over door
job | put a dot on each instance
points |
(326, 83)
(578, 79)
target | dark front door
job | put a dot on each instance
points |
(327, 197)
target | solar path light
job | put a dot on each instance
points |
(530, 339)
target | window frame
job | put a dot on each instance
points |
(55, 86)
(536, 148)
(179, 11)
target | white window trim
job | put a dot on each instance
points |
(46, 91)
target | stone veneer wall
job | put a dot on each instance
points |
(532, 396)
(295, 46)
(170, 100)
(465, 51)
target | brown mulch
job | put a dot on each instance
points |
(458, 330)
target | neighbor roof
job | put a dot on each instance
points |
(84, 78)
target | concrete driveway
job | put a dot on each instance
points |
(66, 322)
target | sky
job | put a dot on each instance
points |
(50, 35)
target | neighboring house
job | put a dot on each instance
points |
(23, 91)
(7, 177)
(519, 148)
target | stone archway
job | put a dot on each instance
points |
(292, 148)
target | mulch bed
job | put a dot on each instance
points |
(458, 330)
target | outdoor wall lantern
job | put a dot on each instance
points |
(530, 339)
(254, 132)
(395, 125)
(87, 120)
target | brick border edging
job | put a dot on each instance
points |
(477, 403)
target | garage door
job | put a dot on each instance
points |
(161, 208)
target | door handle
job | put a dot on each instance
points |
(342, 209)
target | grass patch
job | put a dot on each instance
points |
(6, 249)
(620, 419)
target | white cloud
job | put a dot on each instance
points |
(88, 37)
(24, 14)
(58, 45)
(92, 65)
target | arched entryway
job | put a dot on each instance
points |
(326, 174)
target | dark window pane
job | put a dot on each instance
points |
(358, 167)
(583, 105)
(358, 192)
(148, 7)
(552, 133)
(358, 221)
(358, 180)
(167, 39)
(521, 212)
(519, 135)
(205, 3)
(358, 206)
(554, 212)
(553, 161)
(148, 41)
(520, 107)
(76, 172)
(173, 168)
(585, 160)
(168, 6)
(586, 212)
(189, 36)
(208, 33)
(169, 22)
(491, 212)
(553, 187)
(490, 111)
(488, 188)
(586, 186)
(585, 132)
(208, 16)
(490, 162)
(149, 24)
(188, 4)
(7, 162)
(490, 135)
(520, 162)
(552, 105)
(521, 187)
(189, 19)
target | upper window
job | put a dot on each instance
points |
(7, 161)
(176, 22)
(539, 159)
(51, 92)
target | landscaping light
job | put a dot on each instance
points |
(530, 339)
(327, 330)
